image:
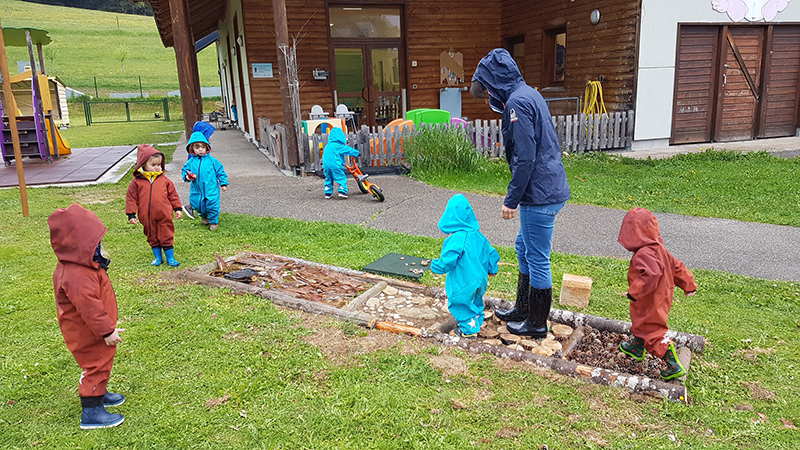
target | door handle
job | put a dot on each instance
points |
(724, 79)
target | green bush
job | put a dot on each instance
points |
(437, 151)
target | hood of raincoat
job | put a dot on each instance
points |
(639, 228)
(75, 233)
(197, 136)
(458, 216)
(337, 136)
(499, 73)
(144, 152)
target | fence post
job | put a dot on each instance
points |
(87, 113)
(128, 111)
(166, 109)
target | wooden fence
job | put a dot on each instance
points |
(382, 147)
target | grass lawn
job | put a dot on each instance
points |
(205, 368)
(86, 44)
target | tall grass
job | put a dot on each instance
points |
(433, 153)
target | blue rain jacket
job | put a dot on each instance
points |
(333, 160)
(204, 191)
(466, 258)
(532, 150)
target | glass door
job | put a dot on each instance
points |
(368, 81)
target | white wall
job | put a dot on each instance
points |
(657, 46)
(232, 86)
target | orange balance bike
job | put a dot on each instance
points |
(364, 185)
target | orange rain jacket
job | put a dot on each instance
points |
(652, 276)
(155, 201)
(85, 300)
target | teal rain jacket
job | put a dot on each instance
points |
(466, 258)
(204, 191)
(333, 154)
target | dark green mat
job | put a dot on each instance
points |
(393, 265)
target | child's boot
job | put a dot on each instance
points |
(674, 367)
(634, 348)
(457, 331)
(535, 324)
(170, 254)
(112, 399)
(520, 310)
(94, 414)
(157, 254)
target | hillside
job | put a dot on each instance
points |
(86, 42)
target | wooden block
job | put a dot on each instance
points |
(575, 290)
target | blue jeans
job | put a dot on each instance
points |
(534, 241)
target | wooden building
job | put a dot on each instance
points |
(675, 63)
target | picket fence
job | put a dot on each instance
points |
(382, 147)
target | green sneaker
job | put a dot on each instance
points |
(634, 348)
(674, 367)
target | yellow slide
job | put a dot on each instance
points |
(63, 145)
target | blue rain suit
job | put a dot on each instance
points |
(466, 258)
(333, 161)
(204, 191)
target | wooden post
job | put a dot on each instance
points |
(41, 58)
(183, 43)
(12, 124)
(38, 108)
(289, 119)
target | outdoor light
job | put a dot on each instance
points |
(594, 17)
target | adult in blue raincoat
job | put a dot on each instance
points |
(538, 187)
(207, 177)
(467, 259)
(333, 162)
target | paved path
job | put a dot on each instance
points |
(258, 188)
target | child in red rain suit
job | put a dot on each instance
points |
(652, 276)
(87, 309)
(153, 195)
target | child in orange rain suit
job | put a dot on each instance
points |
(153, 195)
(87, 309)
(652, 276)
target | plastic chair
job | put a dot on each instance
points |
(317, 113)
(458, 122)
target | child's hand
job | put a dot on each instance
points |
(690, 293)
(133, 221)
(190, 176)
(492, 274)
(179, 214)
(114, 339)
(224, 188)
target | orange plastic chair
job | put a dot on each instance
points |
(377, 150)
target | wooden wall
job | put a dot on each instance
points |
(608, 48)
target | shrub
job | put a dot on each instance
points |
(437, 151)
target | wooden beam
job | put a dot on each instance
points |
(12, 124)
(289, 119)
(183, 43)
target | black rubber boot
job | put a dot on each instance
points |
(520, 310)
(535, 325)
(634, 348)
(674, 367)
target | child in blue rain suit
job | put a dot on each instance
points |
(466, 258)
(207, 177)
(333, 162)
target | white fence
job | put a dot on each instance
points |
(382, 147)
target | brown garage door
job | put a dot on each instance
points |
(695, 83)
(782, 78)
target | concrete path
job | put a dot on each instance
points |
(258, 188)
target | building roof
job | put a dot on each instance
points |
(204, 17)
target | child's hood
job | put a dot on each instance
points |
(458, 216)
(144, 152)
(336, 136)
(639, 228)
(75, 233)
(197, 136)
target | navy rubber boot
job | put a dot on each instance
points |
(94, 414)
(520, 310)
(170, 254)
(535, 325)
(112, 399)
(157, 254)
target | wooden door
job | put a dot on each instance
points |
(781, 78)
(738, 101)
(695, 84)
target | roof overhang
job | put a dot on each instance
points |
(204, 17)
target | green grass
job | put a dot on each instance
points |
(186, 344)
(85, 41)
(752, 187)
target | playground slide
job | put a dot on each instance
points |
(63, 145)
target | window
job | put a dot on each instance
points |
(554, 57)
(364, 22)
(516, 46)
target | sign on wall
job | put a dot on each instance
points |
(262, 70)
(751, 10)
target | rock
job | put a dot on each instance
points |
(744, 407)
(575, 290)
(390, 290)
(561, 331)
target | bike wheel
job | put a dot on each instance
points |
(362, 187)
(377, 193)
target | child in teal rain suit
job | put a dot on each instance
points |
(466, 258)
(333, 162)
(207, 177)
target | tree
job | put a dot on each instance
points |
(121, 52)
(51, 53)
